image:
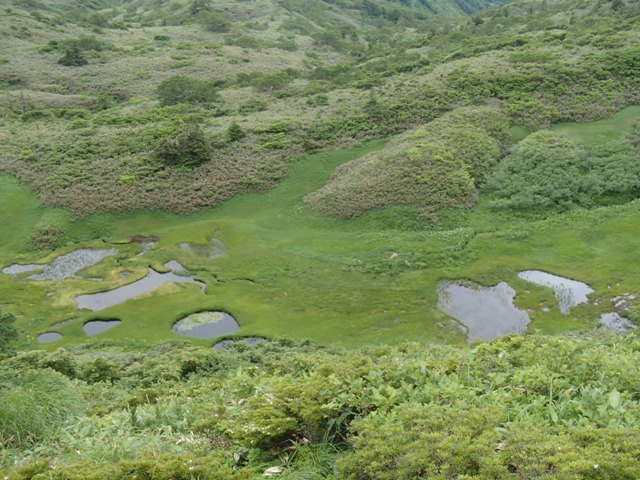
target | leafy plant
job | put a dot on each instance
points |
(189, 148)
(181, 89)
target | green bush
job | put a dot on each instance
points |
(547, 171)
(542, 172)
(189, 148)
(181, 89)
(48, 234)
(73, 57)
(8, 332)
(216, 23)
(235, 132)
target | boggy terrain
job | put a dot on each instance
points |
(282, 269)
(364, 240)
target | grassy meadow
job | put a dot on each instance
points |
(291, 272)
(322, 166)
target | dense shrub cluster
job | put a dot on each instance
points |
(344, 81)
(548, 171)
(506, 409)
(189, 148)
(181, 89)
(433, 167)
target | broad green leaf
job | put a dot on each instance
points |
(614, 398)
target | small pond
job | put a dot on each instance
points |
(94, 327)
(614, 321)
(101, 300)
(569, 293)
(49, 337)
(206, 325)
(486, 312)
(224, 344)
(63, 267)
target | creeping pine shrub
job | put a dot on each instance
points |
(181, 89)
(216, 23)
(189, 148)
(235, 132)
(73, 57)
(48, 235)
(149, 467)
(548, 171)
(433, 167)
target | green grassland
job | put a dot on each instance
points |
(350, 155)
(290, 271)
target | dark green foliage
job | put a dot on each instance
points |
(73, 57)
(547, 171)
(48, 235)
(268, 83)
(181, 89)
(216, 23)
(197, 7)
(253, 105)
(189, 148)
(635, 138)
(104, 101)
(8, 331)
(505, 409)
(542, 172)
(434, 167)
(235, 132)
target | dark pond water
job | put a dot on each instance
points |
(94, 327)
(614, 321)
(63, 267)
(569, 293)
(49, 337)
(486, 312)
(206, 325)
(99, 301)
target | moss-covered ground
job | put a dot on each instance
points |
(290, 271)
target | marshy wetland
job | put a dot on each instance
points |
(281, 269)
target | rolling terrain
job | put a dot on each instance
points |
(310, 176)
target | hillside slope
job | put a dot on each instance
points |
(503, 410)
(294, 76)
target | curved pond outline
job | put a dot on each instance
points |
(49, 337)
(206, 325)
(569, 293)
(486, 312)
(153, 279)
(62, 267)
(94, 327)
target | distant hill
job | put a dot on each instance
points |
(80, 83)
